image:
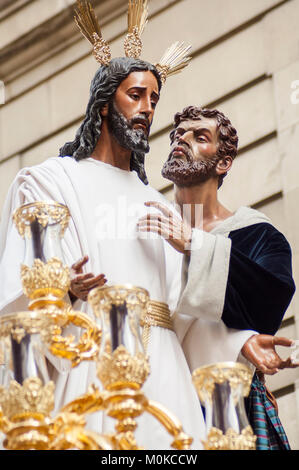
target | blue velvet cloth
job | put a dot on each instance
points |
(260, 284)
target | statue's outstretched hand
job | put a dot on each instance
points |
(82, 284)
(169, 226)
(260, 351)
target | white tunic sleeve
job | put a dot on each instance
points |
(204, 276)
(204, 337)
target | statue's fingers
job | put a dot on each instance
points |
(289, 363)
(155, 227)
(81, 278)
(282, 341)
(99, 283)
(153, 218)
(161, 207)
(266, 369)
(93, 281)
(80, 263)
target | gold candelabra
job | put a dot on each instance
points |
(113, 340)
(123, 368)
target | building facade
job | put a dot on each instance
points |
(245, 63)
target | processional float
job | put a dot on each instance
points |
(113, 340)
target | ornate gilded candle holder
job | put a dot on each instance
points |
(26, 392)
(25, 414)
(221, 389)
(123, 368)
(46, 279)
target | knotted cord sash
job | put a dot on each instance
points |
(158, 314)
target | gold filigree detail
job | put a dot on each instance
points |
(44, 279)
(231, 440)
(235, 373)
(101, 50)
(45, 213)
(30, 400)
(133, 44)
(137, 20)
(120, 368)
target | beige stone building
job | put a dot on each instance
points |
(245, 62)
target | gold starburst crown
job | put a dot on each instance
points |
(173, 61)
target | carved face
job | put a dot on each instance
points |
(131, 113)
(193, 152)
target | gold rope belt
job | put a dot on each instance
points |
(158, 314)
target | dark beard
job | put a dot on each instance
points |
(123, 132)
(189, 173)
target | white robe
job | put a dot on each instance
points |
(89, 188)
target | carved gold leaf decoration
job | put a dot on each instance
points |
(27, 400)
(50, 276)
(121, 368)
(231, 440)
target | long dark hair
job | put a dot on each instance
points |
(103, 86)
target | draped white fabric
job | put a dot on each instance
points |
(93, 190)
(105, 204)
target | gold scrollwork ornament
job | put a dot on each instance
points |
(231, 440)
